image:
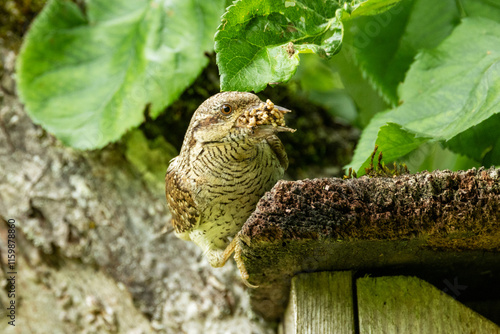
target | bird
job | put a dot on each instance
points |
(231, 155)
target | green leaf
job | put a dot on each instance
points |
(370, 8)
(385, 45)
(445, 95)
(432, 156)
(489, 9)
(323, 85)
(368, 138)
(397, 142)
(367, 101)
(88, 76)
(480, 142)
(259, 41)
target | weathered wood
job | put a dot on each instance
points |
(438, 225)
(320, 303)
(404, 304)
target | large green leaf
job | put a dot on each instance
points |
(87, 76)
(481, 8)
(258, 41)
(447, 91)
(385, 45)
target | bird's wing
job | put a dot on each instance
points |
(278, 149)
(182, 206)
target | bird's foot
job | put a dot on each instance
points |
(234, 247)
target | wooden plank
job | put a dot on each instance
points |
(402, 304)
(320, 303)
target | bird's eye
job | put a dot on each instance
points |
(226, 109)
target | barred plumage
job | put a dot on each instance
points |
(229, 158)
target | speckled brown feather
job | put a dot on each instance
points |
(181, 203)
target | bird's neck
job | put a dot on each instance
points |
(233, 150)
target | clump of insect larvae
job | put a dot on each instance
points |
(265, 113)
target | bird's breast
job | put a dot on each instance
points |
(231, 178)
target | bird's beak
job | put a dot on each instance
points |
(282, 109)
(267, 130)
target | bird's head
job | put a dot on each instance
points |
(232, 115)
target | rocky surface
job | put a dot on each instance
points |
(92, 253)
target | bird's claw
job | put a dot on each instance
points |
(234, 247)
